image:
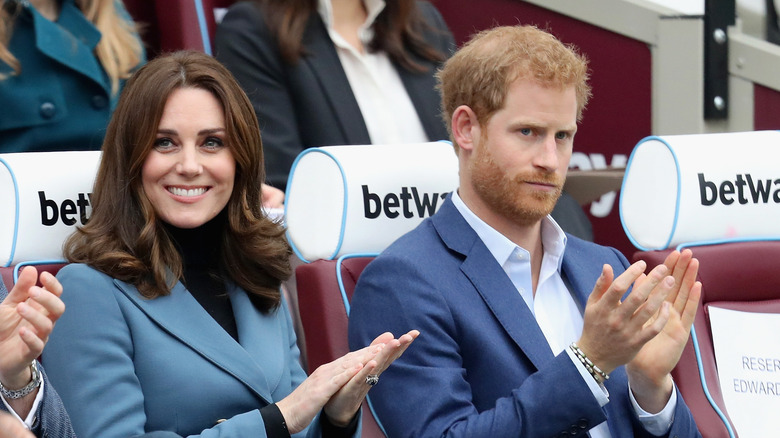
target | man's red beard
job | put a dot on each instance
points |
(510, 195)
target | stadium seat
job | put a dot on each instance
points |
(337, 206)
(47, 195)
(735, 275)
(669, 201)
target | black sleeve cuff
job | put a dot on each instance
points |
(275, 426)
(329, 430)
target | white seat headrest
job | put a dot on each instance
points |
(44, 195)
(359, 199)
(700, 188)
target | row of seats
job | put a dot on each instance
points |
(738, 274)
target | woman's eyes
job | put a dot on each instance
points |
(163, 143)
(209, 143)
(213, 143)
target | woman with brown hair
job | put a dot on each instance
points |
(62, 65)
(176, 325)
(334, 72)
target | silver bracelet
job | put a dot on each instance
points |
(13, 394)
(595, 371)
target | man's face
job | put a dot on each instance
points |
(519, 163)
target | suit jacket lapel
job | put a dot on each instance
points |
(492, 283)
(320, 54)
(181, 316)
(580, 269)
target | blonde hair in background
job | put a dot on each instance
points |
(119, 49)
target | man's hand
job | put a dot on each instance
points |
(649, 373)
(614, 331)
(10, 427)
(27, 317)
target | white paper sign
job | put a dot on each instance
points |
(747, 352)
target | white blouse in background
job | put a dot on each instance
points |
(387, 110)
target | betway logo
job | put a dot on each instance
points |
(743, 190)
(409, 203)
(66, 211)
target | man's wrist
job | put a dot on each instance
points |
(651, 394)
(22, 387)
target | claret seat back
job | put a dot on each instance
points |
(344, 205)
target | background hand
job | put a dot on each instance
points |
(272, 197)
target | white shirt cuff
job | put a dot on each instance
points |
(30, 416)
(660, 423)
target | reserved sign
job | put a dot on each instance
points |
(747, 351)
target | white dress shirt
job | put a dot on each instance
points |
(557, 312)
(388, 112)
(28, 422)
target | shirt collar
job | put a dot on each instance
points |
(365, 32)
(553, 237)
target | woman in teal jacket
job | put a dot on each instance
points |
(62, 65)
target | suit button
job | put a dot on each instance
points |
(99, 102)
(48, 110)
(583, 423)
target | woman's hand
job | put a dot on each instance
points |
(340, 386)
(345, 403)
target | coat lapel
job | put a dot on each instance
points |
(492, 284)
(71, 42)
(321, 56)
(181, 316)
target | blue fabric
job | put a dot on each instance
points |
(61, 99)
(125, 365)
(51, 419)
(311, 103)
(481, 366)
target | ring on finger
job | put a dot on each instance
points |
(372, 379)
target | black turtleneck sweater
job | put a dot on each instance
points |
(199, 248)
(200, 251)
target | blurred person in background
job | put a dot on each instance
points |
(62, 66)
(336, 72)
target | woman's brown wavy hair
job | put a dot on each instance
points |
(124, 237)
(397, 31)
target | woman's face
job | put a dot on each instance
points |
(188, 175)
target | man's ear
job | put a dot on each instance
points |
(465, 127)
